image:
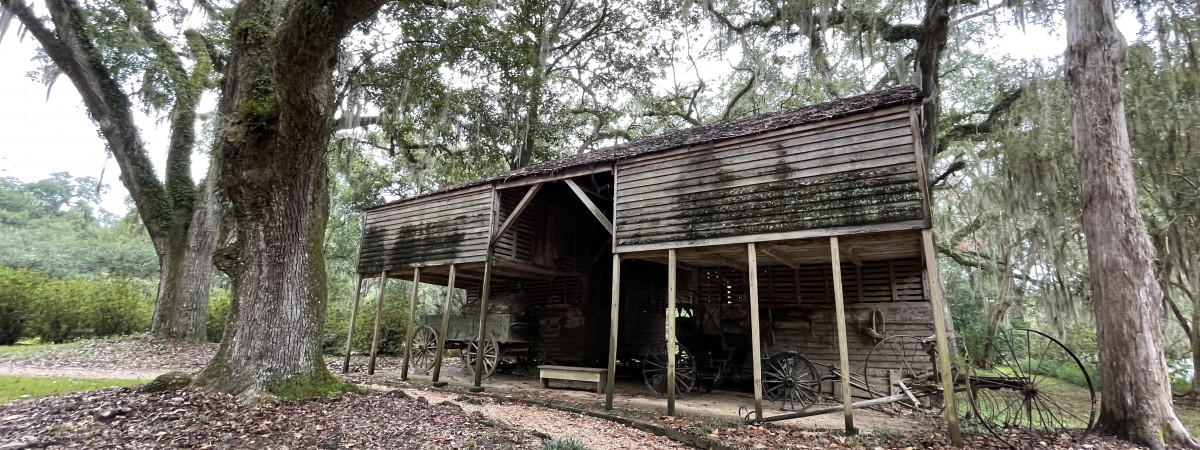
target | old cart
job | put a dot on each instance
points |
(511, 341)
(1017, 390)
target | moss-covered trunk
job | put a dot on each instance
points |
(275, 112)
(186, 269)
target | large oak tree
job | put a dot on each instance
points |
(1135, 392)
(275, 116)
(104, 48)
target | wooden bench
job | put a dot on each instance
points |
(589, 374)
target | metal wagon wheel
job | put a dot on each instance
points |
(899, 359)
(1019, 393)
(791, 381)
(654, 369)
(424, 349)
(490, 354)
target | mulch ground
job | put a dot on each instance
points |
(128, 418)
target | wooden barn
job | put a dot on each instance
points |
(803, 231)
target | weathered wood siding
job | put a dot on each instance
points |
(427, 231)
(850, 172)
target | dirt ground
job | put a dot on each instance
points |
(512, 409)
(720, 406)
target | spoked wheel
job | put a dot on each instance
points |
(424, 348)
(490, 354)
(791, 381)
(899, 359)
(654, 370)
(1018, 392)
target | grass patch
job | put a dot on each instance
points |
(13, 387)
(1190, 416)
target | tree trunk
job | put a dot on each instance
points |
(275, 107)
(185, 279)
(1135, 391)
(166, 208)
(931, 42)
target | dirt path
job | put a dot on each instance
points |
(597, 433)
(78, 372)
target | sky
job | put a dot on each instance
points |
(41, 135)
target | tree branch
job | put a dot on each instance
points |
(995, 118)
(741, 92)
(71, 51)
(187, 89)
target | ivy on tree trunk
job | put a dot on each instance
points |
(275, 120)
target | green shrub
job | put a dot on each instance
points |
(18, 291)
(218, 309)
(55, 310)
(81, 308)
(565, 443)
(391, 328)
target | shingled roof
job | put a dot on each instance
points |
(705, 134)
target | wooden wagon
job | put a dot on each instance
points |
(511, 340)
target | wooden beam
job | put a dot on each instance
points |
(441, 337)
(843, 352)
(773, 252)
(481, 341)
(671, 290)
(755, 334)
(939, 330)
(353, 316)
(922, 171)
(615, 315)
(378, 318)
(799, 296)
(410, 325)
(569, 173)
(516, 213)
(852, 255)
(714, 255)
(587, 201)
(781, 236)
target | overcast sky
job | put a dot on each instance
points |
(40, 136)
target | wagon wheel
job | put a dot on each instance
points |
(654, 370)
(1018, 393)
(424, 348)
(899, 359)
(791, 381)
(491, 355)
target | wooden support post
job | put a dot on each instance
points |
(612, 333)
(482, 338)
(489, 260)
(755, 333)
(378, 318)
(671, 290)
(843, 352)
(939, 330)
(353, 316)
(799, 296)
(410, 326)
(441, 337)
